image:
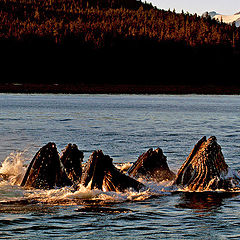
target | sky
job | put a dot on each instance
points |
(226, 7)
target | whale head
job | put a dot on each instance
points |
(205, 168)
(72, 159)
(100, 173)
(152, 165)
(45, 170)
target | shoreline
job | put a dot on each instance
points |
(117, 89)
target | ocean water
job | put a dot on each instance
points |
(123, 126)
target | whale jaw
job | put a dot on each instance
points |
(71, 160)
(45, 170)
(152, 165)
(100, 173)
(205, 168)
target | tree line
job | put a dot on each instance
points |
(122, 30)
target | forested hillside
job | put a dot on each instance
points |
(119, 41)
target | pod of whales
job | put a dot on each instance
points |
(204, 170)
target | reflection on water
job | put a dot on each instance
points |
(101, 209)
(203, 201)
(26, 207)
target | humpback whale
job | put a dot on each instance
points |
(100, 173)
(205, 168)
(152, 165)
(72, 159)
(47, 171)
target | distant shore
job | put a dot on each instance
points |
(116, 89)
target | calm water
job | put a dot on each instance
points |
(123, 126)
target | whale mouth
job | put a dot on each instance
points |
(205, 168)
(47, 170)
(152, 165)
(100, 173)
(43, 169)
(71, 160)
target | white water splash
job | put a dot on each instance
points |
(67, 195)
(124, 166)
(13, 168)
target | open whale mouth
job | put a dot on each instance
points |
(205, 168)
(100, 173)
(43, 169)
(152, 165)
(47, 170)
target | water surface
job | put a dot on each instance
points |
(123, 126)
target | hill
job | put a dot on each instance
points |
(230, 19)
(77, 41)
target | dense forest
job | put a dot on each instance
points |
(113, 41)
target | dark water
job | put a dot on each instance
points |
(123, 126)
